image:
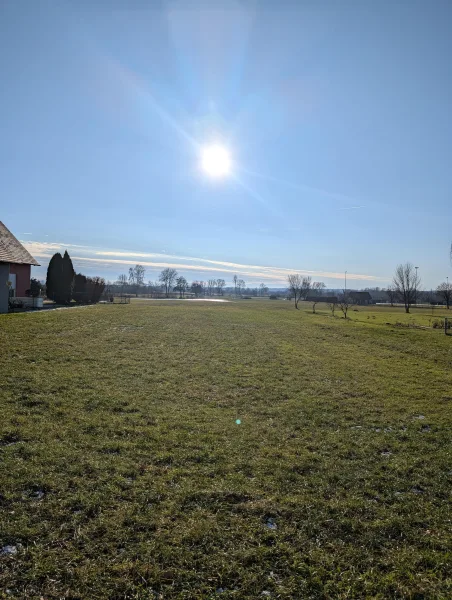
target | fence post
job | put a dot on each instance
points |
(445, 325)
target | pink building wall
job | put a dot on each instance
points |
(22, 273)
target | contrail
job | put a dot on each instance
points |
(351, 207)
(298, 186)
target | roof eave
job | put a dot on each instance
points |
(20, 262)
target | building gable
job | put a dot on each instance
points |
(12, 251)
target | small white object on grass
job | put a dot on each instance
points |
(271, 524)
(10, 550)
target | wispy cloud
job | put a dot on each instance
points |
(114, 260)
(351, 207)
(48, 249)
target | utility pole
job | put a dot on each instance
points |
(345, 280)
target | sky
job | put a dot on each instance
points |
(336, 116)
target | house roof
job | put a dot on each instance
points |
(361, 295)
(12, 251)
(326, 299)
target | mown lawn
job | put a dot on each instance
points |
(125, 475)
(389, 315)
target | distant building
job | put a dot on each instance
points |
(378, 295)
(326, 299)
(15, 268)
(361, 298)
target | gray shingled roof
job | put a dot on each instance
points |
(361, 295)
(12, 251)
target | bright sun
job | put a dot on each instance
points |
(216, 161)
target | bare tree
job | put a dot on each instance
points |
(305, 287)
(235, 279)
(211, 285)
(123, 282)
(240, 286)
(220, 286)
(406, 282)
(139, 271)
(444, 290)
(136, 278)
(298, 287)
(345, 302)
(317, 288)
(167, 277)
(263, 289)
(332, 305)
(392, 294)
(181, 286)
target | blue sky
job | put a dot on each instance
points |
(336, 115)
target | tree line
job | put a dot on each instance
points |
(406, 289)
(64, 285)
(170, 281)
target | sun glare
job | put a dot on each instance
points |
(216, 161)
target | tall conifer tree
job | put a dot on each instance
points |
(53, 279)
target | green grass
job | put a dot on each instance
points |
(125, 475)
(388, 315)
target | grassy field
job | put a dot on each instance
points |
(124, 473)
(388, 315)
